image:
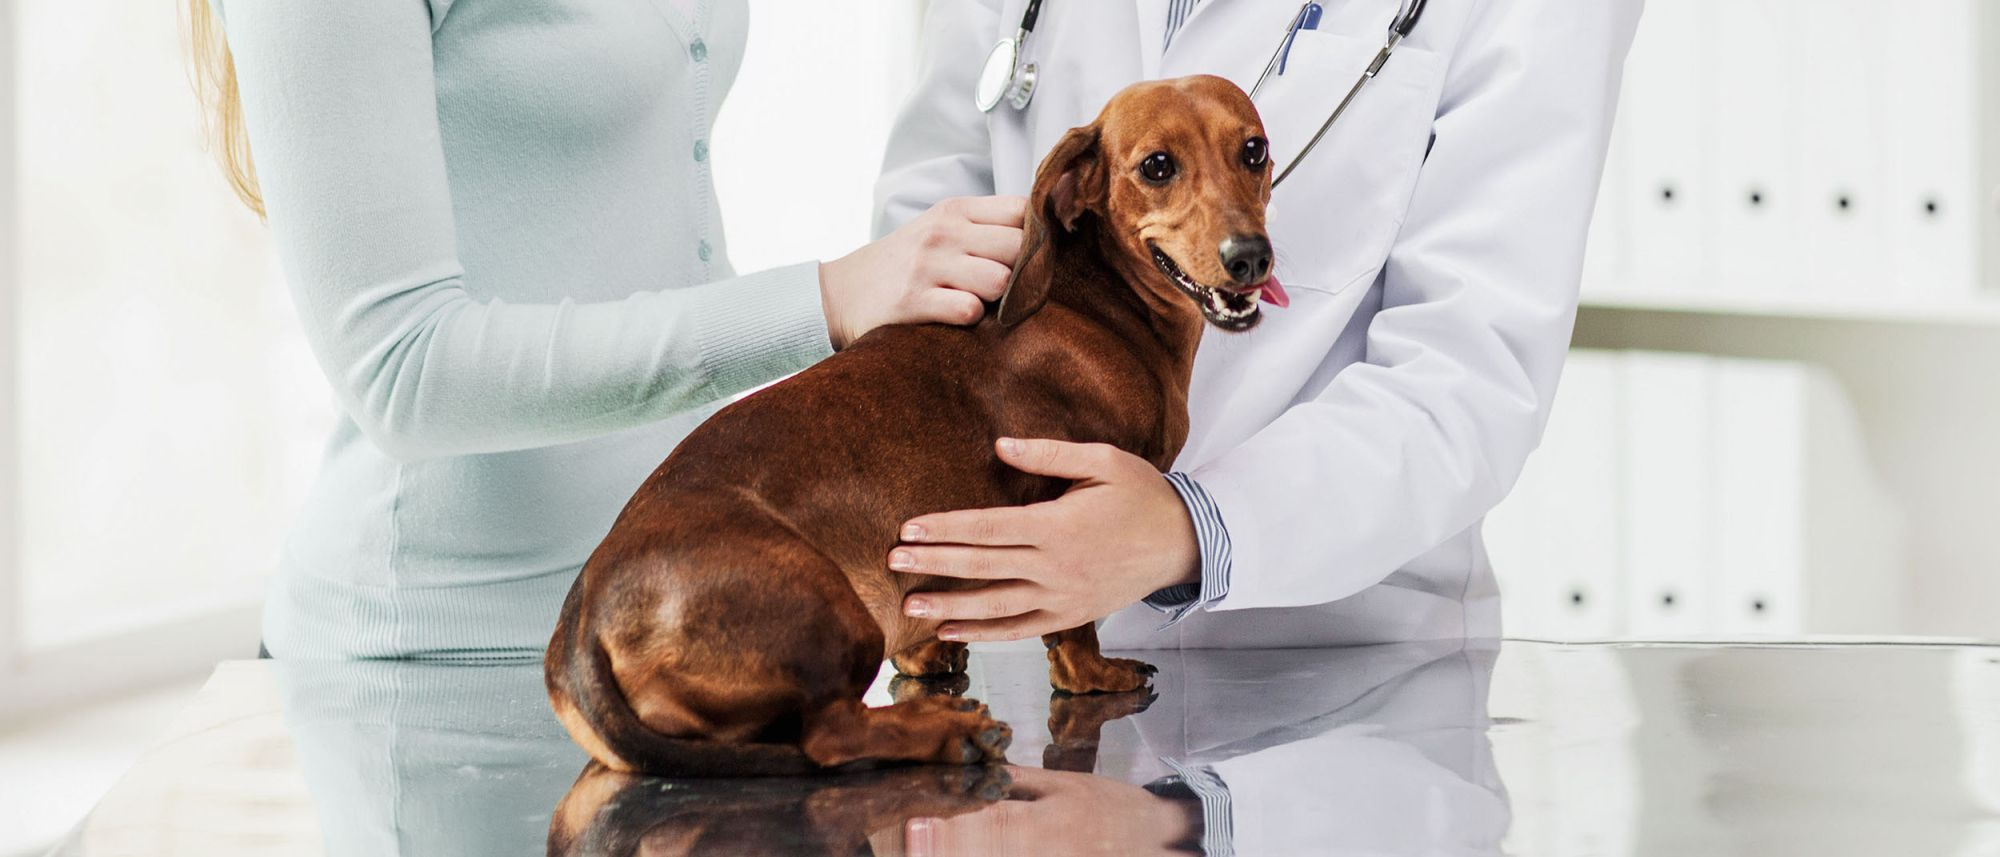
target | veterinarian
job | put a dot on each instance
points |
(497, 223)
(1343, 452)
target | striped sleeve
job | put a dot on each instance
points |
(1212, 538)
(1218, 836)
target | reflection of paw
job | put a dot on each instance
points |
(903, 688)
(1076, 721)
(1097, 674)
(982, 782)
(1077, 717)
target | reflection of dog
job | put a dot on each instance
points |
(613, 814)
(741, 604)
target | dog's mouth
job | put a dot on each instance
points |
(1229, 309)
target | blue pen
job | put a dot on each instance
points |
(1308, 20)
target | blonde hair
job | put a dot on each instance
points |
(214, 78)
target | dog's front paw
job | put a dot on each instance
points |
(971, 736)
(1094, 673)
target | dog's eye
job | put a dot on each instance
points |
(1158, 167)
(1256, 152)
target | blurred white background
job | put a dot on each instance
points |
(1779, 422)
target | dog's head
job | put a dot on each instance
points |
(1176, 174)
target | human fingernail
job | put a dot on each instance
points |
(917, 607)
(1010, 446)
(917, 836)
(902, 560)
(913, 532)
(948, 634)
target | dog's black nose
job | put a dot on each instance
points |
(1247, 258)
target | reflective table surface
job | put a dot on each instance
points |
(1456, 747)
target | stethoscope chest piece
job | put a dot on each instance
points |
(1005, 78)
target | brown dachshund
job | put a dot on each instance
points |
(741, 604)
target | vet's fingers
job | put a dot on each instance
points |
(971, 563)
(1006, 525)
(983, 278)
(948, 305)
(991, 210)
(1058, 458)
(997, 601)
(1020, 627)
(998, 243)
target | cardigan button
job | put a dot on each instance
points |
(700, 151)
(704, 251)
(699, 50)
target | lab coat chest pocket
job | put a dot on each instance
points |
(1334, 219)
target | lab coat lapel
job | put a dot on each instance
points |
(1149, 29)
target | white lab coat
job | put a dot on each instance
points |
(1433, 249)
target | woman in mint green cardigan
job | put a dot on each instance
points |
(498, 225)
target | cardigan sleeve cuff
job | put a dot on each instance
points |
(761, 327)
(1212, 538)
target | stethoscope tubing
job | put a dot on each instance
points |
(1408, 13)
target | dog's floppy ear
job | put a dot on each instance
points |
(1069, 183)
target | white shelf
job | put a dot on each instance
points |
(1972, 310)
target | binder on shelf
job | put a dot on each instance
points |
(1760, 481)
(1842, 153)
(1937, 172)
(1667, 543)
(1581, 498)
(1554, 540)
(1806, 537)
(1667, 129)
(1754, 174)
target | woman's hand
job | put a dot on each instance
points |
(1120, 534)
(940, 267)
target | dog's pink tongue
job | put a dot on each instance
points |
(1274, 293)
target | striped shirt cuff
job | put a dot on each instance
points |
(1212, 538)
(1218, 833)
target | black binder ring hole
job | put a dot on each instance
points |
(1931, 207)
(1845, 202)
(1667, 193)
(1756, 198)
(1667, 599)
(1757, 606)
(1576, 598)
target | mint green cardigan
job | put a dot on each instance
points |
(498, 226)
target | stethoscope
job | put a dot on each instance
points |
(1006, 78)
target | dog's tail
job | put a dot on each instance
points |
(579, 670)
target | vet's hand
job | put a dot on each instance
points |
(1044, 808)
(1120, 534)
(938, 267)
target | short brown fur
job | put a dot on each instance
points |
(741, 604)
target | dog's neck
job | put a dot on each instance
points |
(1096, 279)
